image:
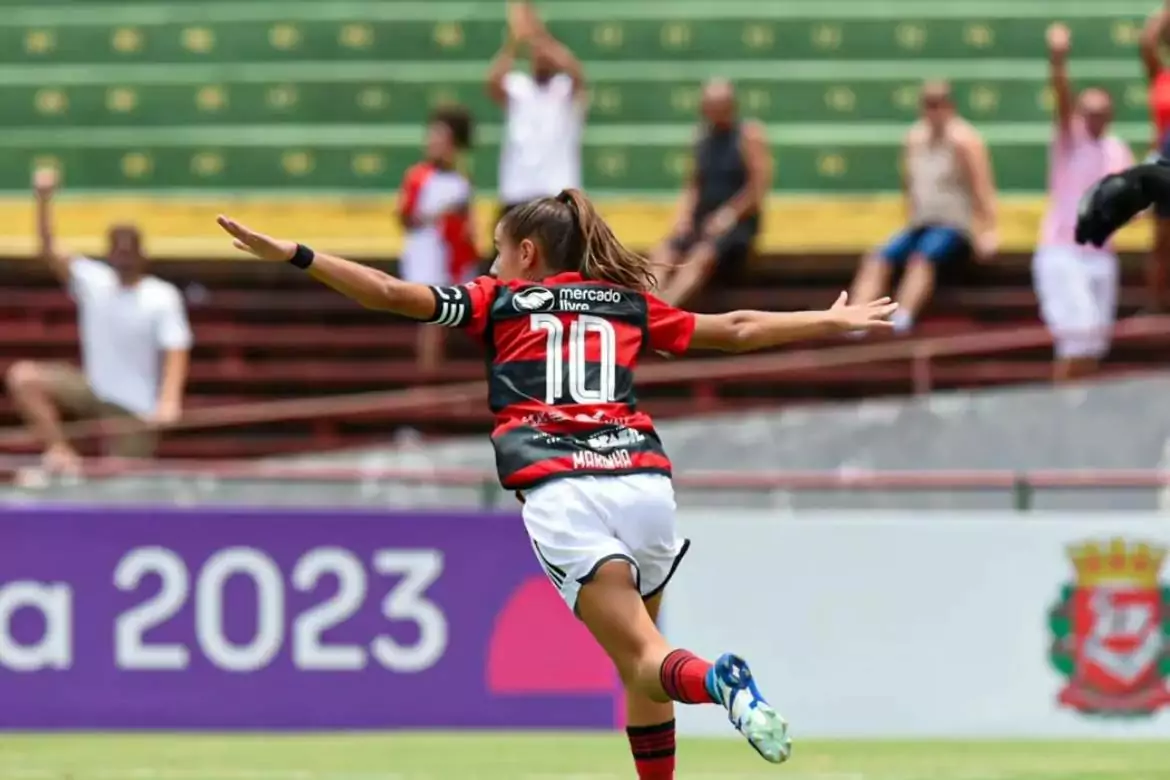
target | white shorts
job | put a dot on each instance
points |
(578, 523)
(1077, 290)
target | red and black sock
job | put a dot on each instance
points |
(653, 749)
(684, 678)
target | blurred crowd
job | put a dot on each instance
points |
(948, 185)
(134, 332)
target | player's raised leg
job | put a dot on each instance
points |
(612, 609)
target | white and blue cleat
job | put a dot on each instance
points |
(731, 684)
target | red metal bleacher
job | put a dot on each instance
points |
(264, 334)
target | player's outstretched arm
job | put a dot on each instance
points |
(743, 331)
(368, 286)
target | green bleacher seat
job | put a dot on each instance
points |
(264, 95)
(287, 38)
(373, 166)
(361, 101)
(229, 102)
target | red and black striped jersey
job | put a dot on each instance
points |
(561, 355)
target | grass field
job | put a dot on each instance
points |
(552, 757)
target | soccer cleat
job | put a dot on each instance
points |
(731, 684)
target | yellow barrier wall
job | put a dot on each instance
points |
(366, 227)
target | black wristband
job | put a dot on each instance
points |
(302, 258)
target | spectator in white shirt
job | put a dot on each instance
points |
(135, 343)
(540, 153)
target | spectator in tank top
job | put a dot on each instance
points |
(434, 207)
(719, 214)
(949, 192)
(544, 112)
(1076, 285)
(135, 344)
(1157, 262)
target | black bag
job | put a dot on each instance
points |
(1118, 198)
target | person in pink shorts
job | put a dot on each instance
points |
(1076, 285)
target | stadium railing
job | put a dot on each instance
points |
(703, 375)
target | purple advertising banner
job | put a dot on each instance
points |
(244, 619)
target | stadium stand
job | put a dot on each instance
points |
(300, 117)
(268, 335)
(216, 97)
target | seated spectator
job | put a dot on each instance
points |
(135, 342)
(718, 216)
(949, 190)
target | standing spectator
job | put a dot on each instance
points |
(434, 208)
(1076, 285)
(544, 111)
(135, 342)
(949, 190)
(719, 213)
(1158, 77)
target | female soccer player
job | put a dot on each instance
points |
(563, 318)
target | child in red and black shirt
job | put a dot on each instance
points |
(435, 211)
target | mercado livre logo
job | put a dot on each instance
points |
(1111, 629)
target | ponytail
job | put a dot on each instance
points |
(574, 237)
(603, 256)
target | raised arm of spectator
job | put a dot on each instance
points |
(45, 186)
(527, 27)
(561, 56)
(976, 162)
(1149, 47)
(1151, 41)
(1059, 42)
(499, 69)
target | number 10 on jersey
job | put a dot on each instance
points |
(580, 328)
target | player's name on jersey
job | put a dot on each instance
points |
(618, 459)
